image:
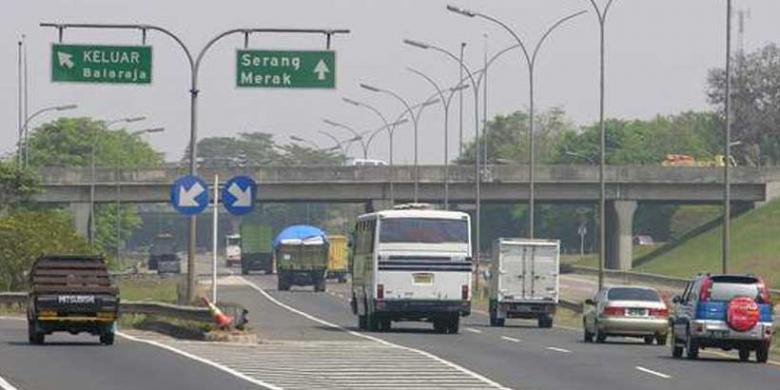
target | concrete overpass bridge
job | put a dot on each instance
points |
(626, 186)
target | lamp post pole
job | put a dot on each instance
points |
(358, 136)
(477, 172)
(194, 64)
(602, 19)
(23, 134)
(727, 149)
(530, 60)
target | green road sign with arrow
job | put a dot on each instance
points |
(286, 69)
(101, 64)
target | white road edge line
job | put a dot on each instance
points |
(472, 330)
(511, 339)
(556, 349)
(5, 385)
(651, 372)
(376, 339)
(201, 360)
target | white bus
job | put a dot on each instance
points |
(412, 265)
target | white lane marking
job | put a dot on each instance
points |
(651, 372)
(5, 385)
(202, 360)
(472, 330)
(510, 339)
(14, 318)
(556, 349)
(378, 340)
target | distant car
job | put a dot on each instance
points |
(643, 240)
(723, 311)
(627, 311)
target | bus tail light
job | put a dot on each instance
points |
(464, 292)
(380, 291)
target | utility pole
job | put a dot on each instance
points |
(727, 149)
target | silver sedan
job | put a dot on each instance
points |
(626, 311)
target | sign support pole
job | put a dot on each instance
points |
(194, 63)
(214, 240)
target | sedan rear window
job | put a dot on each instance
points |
(632, 294)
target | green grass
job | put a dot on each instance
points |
(592, 259)
(755, 248)
(162, 290)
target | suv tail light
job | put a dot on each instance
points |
(380, 291)
(464, 292)
(763, 291)
(614, 311)
(659, 312)
(705, 290)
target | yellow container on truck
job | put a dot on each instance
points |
(338, 258)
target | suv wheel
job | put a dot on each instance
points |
(744, 354)
(762, 353)
(691, 347)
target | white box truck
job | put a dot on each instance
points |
(524, 280)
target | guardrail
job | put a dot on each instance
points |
(191, 313)
(570, 305)
(639, 277)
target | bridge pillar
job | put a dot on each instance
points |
(80, 218)
(620, 245)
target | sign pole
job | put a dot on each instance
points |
(214, 241)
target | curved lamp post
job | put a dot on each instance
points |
(530, 60)
(23, 136)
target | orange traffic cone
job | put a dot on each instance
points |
(222, 320)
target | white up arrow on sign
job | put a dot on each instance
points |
(321, 69)
(187, 197)
(65, 59)
(243, 197)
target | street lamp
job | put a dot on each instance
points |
(23, 134)
(119, 185)
(530, 59)
(306, 141)
(95, 134)
(602, 19)
(351, 130)
(445, 101)
(727, 149)
(414, 122)
(478, 173)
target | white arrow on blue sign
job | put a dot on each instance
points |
(238, 195)
(189, 195)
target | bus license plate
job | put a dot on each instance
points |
(423, 278)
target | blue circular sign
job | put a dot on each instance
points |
(238, 195)
(189, 195)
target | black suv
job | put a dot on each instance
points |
(723, 311)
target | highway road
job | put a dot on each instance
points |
(79, 362)
(518, 356)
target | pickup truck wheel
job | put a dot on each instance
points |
(762, 353)
(107, 338)
(744, 354)
(691, 347)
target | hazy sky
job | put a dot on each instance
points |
(658, 55)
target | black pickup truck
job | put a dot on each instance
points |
(71, 293)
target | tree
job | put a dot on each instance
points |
(25, 235)
(69, 142)
(755, 104)
(507, 137)
(258, 149)
(16, 186)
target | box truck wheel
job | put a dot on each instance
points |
(320, 284)
(454, 324)
(107, 337)
(545, 321)
(362, 322)
(283, 282)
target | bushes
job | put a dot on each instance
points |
(25, 235)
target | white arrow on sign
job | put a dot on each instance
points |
(321, 69)
(243, 197)
(65, 59)
(187, 197)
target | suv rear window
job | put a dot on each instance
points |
(726, 288)
(632, 294)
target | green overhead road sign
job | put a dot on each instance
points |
(285, 69)
(101, 64)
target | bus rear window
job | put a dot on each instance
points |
(423, 230)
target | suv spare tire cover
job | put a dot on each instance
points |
(742, 313)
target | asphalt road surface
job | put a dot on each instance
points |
(79, 362)
(518, 356)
